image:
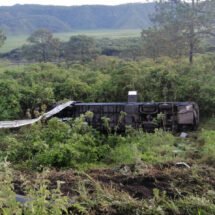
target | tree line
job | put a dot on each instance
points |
(42, 46)
(180, 28)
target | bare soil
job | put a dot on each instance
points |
(138, 180)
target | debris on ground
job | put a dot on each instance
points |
(184, 135)
(182, 164)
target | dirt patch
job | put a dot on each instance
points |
(138, 180)
(175, 181)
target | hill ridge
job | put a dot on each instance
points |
(20, 19)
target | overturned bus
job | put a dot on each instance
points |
(170, 116)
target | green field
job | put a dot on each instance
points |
(13, 42)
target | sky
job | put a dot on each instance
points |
(69, 2)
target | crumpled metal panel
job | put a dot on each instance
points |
(20, 123)
(57, 109)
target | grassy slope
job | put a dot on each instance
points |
(13, 42)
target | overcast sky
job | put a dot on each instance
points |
(69, 2)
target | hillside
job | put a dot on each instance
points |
(21, 19)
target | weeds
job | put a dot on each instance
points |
(97, 199)
(40, 199)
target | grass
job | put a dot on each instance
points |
(113, 34)
(13, 42)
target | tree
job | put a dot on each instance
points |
(9, 100)
(162, 42)
(80, 48)
(43, 46)
(2, 38)
(181, 26)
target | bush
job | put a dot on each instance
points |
(57, 144)
(125, 153)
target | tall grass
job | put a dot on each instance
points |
(207, 147)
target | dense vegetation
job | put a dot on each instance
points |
(71, 168)
(106, 79)
(21, 19)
